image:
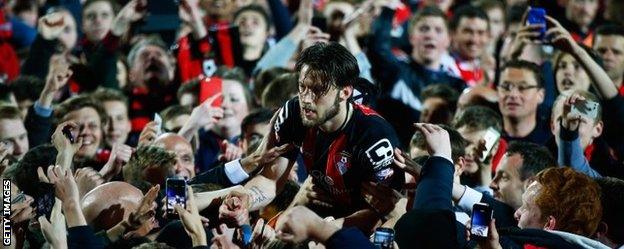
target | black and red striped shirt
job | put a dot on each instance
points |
(339, 162)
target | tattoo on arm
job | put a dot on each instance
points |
(257, 196)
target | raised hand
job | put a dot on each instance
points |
(5, 151)
(299, 223)
(190, 15)
(22, 211)
(62, 143)
(51, 25)
(65, 187)
(559, 36)
(438, 142)
(144, 214)
(191, 220)
(229, 152)
(492, 241)
(203, 116)
(58, 74)
(314, 36)
(131, 12)
(404, 162)
(54, 230)
(120, 155)
(223, 239)
(149, 133)
(87, 179)
(262, 233)
(305, 13)
(568, 120)
(234, 209)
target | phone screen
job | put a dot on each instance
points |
(384, 238)
(320, 22)
(537, 16)
(176, 194)
(45, 200)
(209, 87)
(491, 137)
(585, 108)
(481, 217)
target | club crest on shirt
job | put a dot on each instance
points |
(344, 162)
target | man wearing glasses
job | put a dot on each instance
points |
(520, 92)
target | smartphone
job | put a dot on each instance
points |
(68, 134)
(481, 217)
(320, 22)
(537, 16)
(491, 137)
(384, 238)
(176, 194)
(162, 18)
(211, 86)
(586, 108)
(45, 201)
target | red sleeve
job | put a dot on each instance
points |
(189, 61)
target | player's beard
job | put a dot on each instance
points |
(329, 114)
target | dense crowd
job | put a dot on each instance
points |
(312, 123)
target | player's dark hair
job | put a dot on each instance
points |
(330, 64)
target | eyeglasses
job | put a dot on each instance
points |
(521, 88)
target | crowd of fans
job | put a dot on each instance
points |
(311, 123)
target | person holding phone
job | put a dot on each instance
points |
(89, 118)
(551, 213)
(577, 130)
(431, 221)
(481, 127)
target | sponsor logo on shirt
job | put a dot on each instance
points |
(380, 154)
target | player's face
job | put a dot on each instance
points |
(316, 107)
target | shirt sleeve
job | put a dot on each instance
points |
(376, 151)
(289, 128)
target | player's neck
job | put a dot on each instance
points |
(339, 121)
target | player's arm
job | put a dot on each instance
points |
(261, 189)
